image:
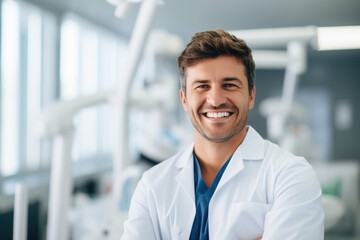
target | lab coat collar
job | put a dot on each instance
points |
(252, 148)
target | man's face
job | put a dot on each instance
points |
(217, 98)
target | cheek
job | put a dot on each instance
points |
(194, 103)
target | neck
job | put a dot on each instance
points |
(212, 155)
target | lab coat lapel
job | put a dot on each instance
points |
(185, 177)
(186, 203)
(252, 148)
(235, 166)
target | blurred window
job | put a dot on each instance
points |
(27, 83)
(41, 61)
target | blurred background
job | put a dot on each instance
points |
(81, 117)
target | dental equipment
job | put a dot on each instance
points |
(57, 122)
(296, 39)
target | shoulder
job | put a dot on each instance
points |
(254, 147)
(280, 159)
(275, 160)
(288, 171)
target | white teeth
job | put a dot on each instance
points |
(217, 115)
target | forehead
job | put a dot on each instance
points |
(217, 69)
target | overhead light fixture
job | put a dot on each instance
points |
(338, 38)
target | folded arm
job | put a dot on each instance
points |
(297, 211)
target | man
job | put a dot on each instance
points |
(231, 183)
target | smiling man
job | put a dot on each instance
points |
(231, 183)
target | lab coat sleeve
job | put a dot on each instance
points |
(139, 225)
(297, 211)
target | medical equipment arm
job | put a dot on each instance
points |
(58, 117)
(57, 121)
(137, 43)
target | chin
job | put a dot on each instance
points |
(218, 138)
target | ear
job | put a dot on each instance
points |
(252, 98)
(183, 100)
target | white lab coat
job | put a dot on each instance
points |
(264, 191)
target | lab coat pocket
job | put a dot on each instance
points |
(246, 219)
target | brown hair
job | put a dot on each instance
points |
(211, 44)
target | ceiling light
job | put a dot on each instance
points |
(337, 38)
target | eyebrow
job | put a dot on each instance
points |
(199, 82)
(228, 79)
(233, 79)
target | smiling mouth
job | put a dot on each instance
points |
(218, 115)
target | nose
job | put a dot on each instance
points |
(216, 97)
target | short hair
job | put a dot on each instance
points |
(212, 44)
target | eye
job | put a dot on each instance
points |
(229, 85)
(202, 86)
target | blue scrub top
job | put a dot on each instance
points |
(203, 194)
